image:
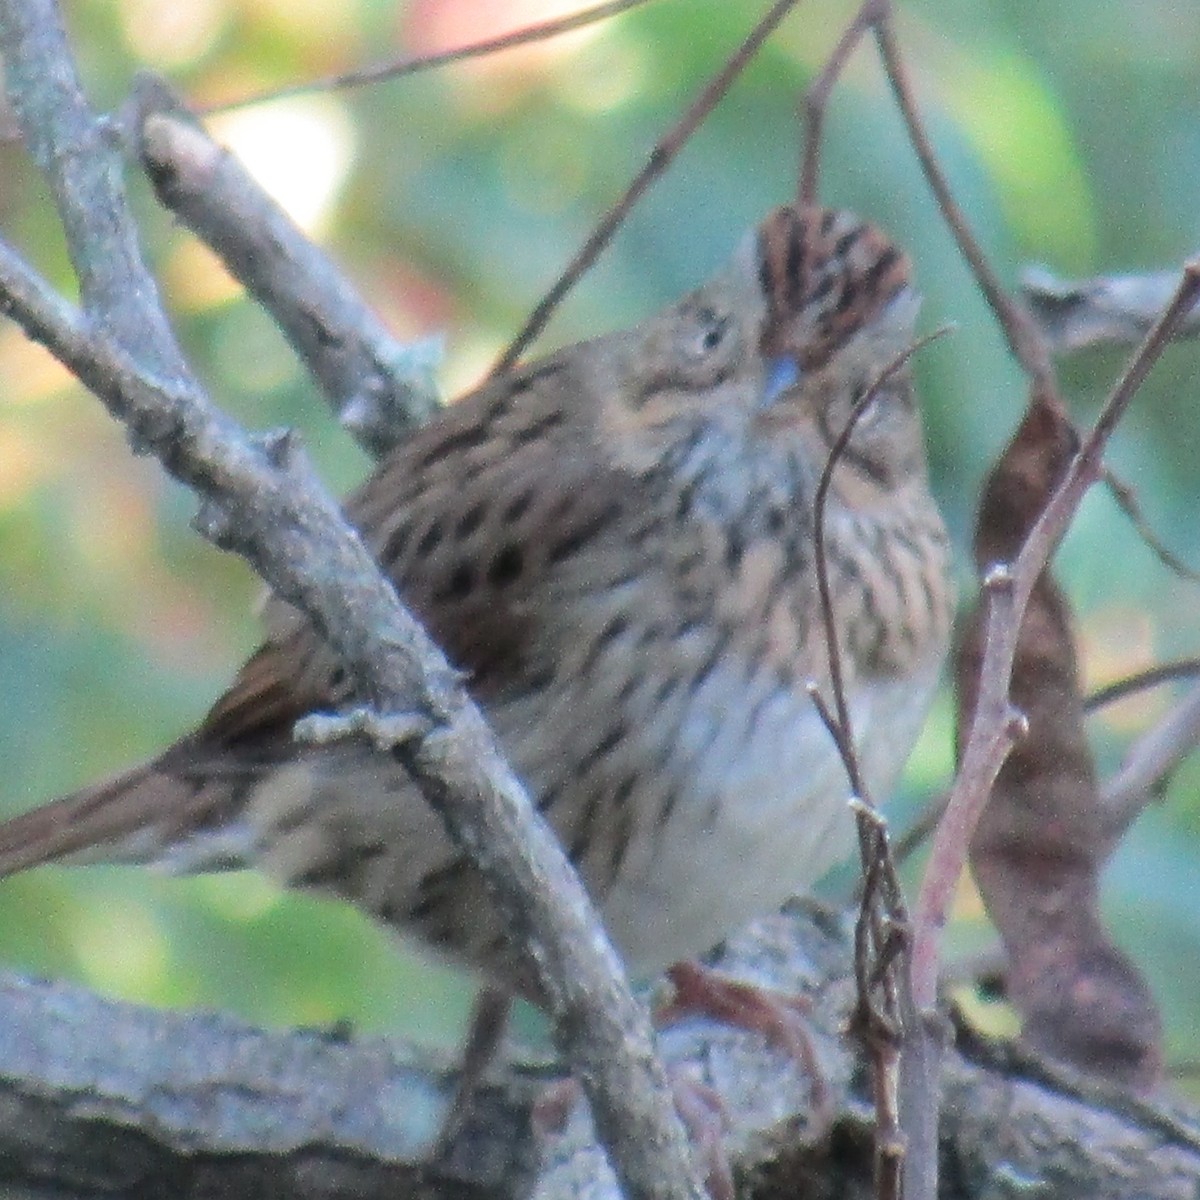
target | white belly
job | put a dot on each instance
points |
(767, 817)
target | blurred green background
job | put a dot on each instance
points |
(1071, 132)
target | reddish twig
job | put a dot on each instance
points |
(660, 158)
(1008, 589)
(995, 725)
(1042, 839)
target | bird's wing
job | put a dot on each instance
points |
(473, 519)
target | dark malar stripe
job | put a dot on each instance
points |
(570, 545)
(794, 270)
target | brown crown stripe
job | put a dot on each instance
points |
(829, 261)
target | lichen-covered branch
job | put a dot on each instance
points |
(188, 1103)
(380, 389)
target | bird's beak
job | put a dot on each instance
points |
(782, 373)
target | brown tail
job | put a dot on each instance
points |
(125, 819)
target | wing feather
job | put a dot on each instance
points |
(469, 519)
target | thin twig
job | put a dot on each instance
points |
(880, 934)
(919, 1084)
(996, 725)
(816, 99)
(396, 68)
(1140, 681)
(1127, 502)
(1085, 469)
(1150, 761)
(1023, 335)
(660, 158)
(919, 832)
(838, 722)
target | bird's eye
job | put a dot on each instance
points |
(703, 346)
(712, 332)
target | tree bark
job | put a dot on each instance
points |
(99, 1098)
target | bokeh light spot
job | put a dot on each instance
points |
(171, 35)
(300, 150)
(24, 462)
(121, 952)
(195, 278)
(1017, 126)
